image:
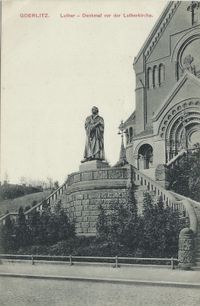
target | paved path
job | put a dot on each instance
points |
(52, 292)
(94, 271)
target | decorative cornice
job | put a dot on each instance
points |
(158, 29)
(162, 26)
(190, 105)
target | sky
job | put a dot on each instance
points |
(54, 69)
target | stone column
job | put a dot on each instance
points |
(186, 249)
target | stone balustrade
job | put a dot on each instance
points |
(39, 206)
(159, 191)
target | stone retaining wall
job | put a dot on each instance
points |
(88, 190)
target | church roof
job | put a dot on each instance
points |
(162, 20)
(130, 120)
(148, 131)
(122, 156)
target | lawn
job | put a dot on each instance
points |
(14, 204)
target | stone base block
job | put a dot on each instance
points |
(162, 175)
(93, 165)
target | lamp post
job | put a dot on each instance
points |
(121, 131)
(122, 157)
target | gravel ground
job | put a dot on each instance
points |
(32, 292)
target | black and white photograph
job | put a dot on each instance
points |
(100, 153)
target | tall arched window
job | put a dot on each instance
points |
(149, 78)
(130, 134)
(127, 136)
(161, 74)
(155, 76)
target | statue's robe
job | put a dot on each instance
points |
(94, 147)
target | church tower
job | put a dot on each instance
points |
(166, 120)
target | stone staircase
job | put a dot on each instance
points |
(149, 172)
(187, 207)
(51, 200)
(195, 211)
(196, 208)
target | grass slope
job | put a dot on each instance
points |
(14, 204)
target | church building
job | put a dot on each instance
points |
(166, 120)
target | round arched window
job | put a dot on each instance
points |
(189, 56)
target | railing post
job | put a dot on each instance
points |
(172, 263)
(70, 260)
(32, 260)
(116, 262)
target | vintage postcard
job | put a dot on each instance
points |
(100, 153)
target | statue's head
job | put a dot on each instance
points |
(95, 110)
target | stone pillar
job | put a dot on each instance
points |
(162, 175)
(186, 249)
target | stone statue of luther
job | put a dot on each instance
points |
(94, 146)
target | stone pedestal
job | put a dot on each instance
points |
(186, 249)
(88, 190)
(93, 165)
